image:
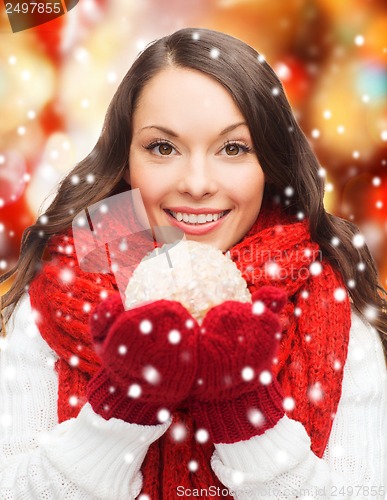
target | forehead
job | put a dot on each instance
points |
(179, 95)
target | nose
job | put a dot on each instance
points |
(198, 179)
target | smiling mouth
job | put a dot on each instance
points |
(197, 219)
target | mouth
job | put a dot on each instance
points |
(196, 219)
(197, 224)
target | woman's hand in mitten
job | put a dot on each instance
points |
(149, 360)
(236, 395)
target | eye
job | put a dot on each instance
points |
(160, 148)
(235, 148)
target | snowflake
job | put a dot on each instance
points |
(247, 373)
(340, 294)
(255, 417)
(163, 415)
(202, 436)
(315, 133)
(73, 400)
(273, 269)
(50, 361)
(289, 191)
(174, 336)
(265, 377)
(69, 249)
(376, 181)
(66, 276)
(288, 403)
(315, 392)
(214, 53)
(359, 40)
(122, 349)
(128, 458)
(193, 466)
(134, 391)
(179, 432)
(151, 375)
(315, 268)
(258, 307)
(145, 326)
(358, 240)
(189, 323)
(74, 361)
(370, 313)
(86, 307)
(335, 241)
(237, 477)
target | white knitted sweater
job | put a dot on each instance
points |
(90, 458)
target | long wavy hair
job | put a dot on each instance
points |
(281, 147)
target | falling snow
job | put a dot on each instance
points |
(258, 307)
(163, 415)
(340, 294)
(145, 326)
(265, 377)
(315, 268)
(134, 391)
(288, 404)
(73, 400)
(255, 417)
(122, 350)
(151, 374)
(201, 436)
(193, 466)
(174, 336)
(178, 432)
(247, 373)
(315, 392)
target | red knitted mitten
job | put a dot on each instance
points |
(236, 396)
(149, 360)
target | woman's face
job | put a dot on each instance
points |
(192, 158)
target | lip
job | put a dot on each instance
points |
(198, 229)
(190, 210)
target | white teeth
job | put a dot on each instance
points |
(192, 218)
(196, 218)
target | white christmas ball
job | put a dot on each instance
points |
(197, 275)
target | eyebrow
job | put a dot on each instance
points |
(173, 134)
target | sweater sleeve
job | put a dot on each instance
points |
(280, 464)
(84, 458)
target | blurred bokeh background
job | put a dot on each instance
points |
(56, 82)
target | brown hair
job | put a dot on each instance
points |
(282, 150)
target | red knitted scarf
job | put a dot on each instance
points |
(276, 251)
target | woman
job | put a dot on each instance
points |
(201, 126)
